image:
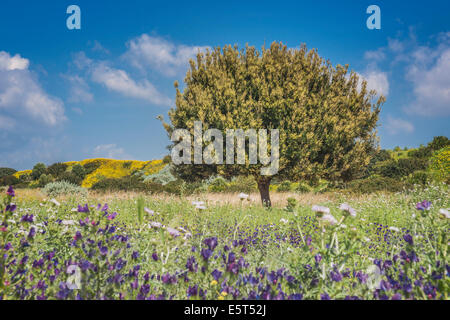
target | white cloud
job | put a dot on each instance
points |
(376, 80)
(22, 96)
(431, 83)
(160, 54)
(110, 151)
(397, 125)
(79, 89)
(119, 81)
(7, 123)
(12, 63)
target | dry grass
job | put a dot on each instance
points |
(279, 199)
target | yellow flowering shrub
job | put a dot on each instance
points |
(18, 174)
(440, 164)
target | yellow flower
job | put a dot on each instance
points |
(213, 283)
(224, 293)
(221, 298)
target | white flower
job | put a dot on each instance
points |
(329, 219)
(284, 220)
(321, 210)
(243, 196)
(347, 208)
(55, 202)
(173, 232)
(394, 229)
(444, 213)
(200, 207)
(11, 221)
(68, 222)
(74, 210)
(149, 211)
(155, 224)
(198, 203)
(187, 235)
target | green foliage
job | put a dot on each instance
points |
(44, 179)
(92, 166)
(326, 121)
(304, 187)
(376, 184)
(63, 188)
(218, 184)
(164, 176)
(438, 143)
(291, 205)
(140, 209)
(285, 186)
(70, 177)
(79, 171)
(38, 170)
(6, 172)
(9, 181)
(57, 169)
(440, 164)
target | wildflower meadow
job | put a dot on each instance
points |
(391, 246)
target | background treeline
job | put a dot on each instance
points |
(388, 170)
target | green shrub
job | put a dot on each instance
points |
(376, 184)
(38, 170)
(60, 188)
(44, 179)
(79, 171)
(9, 181)
(70, 177)
(420, 177)
(164, 176)
(57, 169)
(245, 184)
(304, 187)
(284, 186)
(128, 183)
(218, 184)
(6, 172)
(92, 166)
(291, 205)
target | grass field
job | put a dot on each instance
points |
(226, 248)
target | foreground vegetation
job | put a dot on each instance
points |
(386, 246)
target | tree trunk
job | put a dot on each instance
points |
(263, 186)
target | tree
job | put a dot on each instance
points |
(438, 143)
(325, 115)
(38, 170)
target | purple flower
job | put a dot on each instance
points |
(112, 216)
(424, 205)
(32, 233)
(211, 243)
(77, 236)
(135, 255)
(27, 218)
(318, 258)
(192, 291)
(206, 254)
(84, 209)
(397, 296)
(231, 257)
(11, 207)
(10, 192)
(336, 276)
(216, 274)
(325, 296)
(191, 265)
(155, 256)
(408, 238)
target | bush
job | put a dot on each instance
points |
(45, 179)
(376, 184)
(92, 166)
(38, 170)
(9, 181)
(57, 169)
(162, 177)
(79, 171)
(420, 177)
(303, 187)
(285, 186)
(440, 165)
(218, 184)
(128, 183)
(245, 184)
(70, 177)
(60, 188)
(6, 172)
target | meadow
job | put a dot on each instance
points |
(131, 245)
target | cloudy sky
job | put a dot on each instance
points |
(96, 92)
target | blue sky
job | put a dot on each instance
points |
(95, 92)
